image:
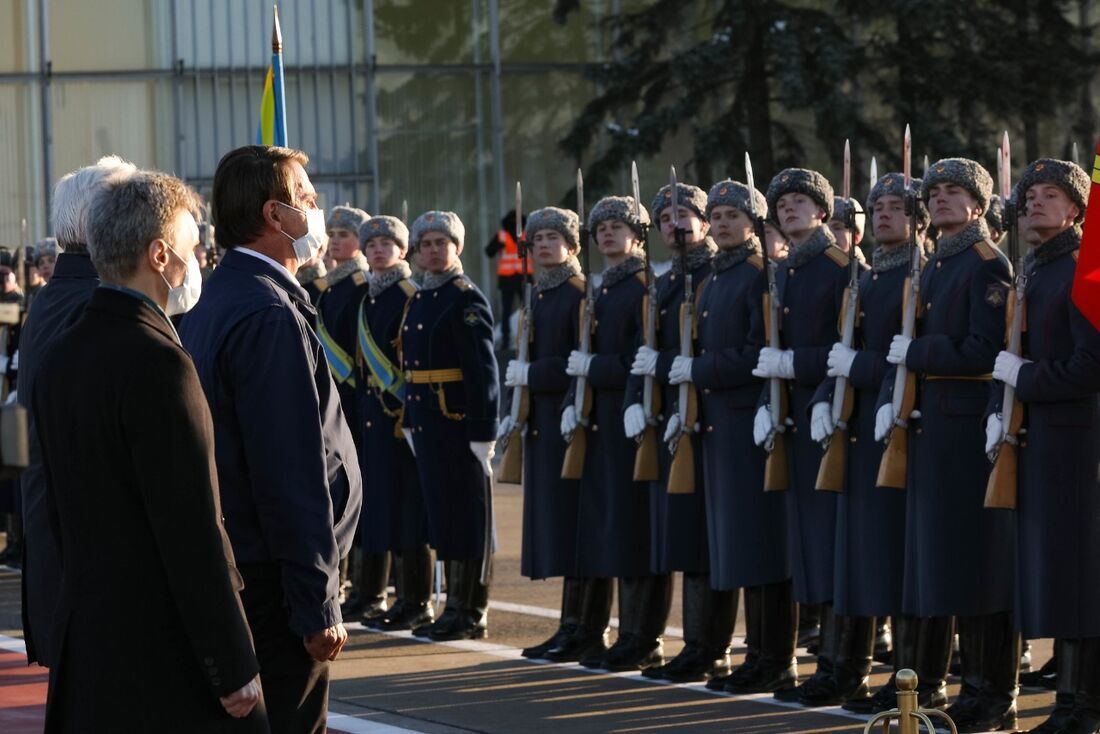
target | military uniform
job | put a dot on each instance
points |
(452, 398)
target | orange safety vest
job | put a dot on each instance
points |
(510, 262)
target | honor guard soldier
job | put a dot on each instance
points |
(849, 239)
(450, 421)
(1058, 508)
(678, 523)
(994, 219)
(549, 501)
(811, 286)
(870, 525)
(397, 522)
(746, 527)
(337, 302)
(958, 556)
(613, 532)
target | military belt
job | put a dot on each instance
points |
(435, 377)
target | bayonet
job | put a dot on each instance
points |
(645, 459)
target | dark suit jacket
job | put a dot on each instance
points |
(53, 311)
(287, 466)
(149, 625)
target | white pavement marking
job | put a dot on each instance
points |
(513, 653)
(13, 644)
(547, 613)
(352, 725)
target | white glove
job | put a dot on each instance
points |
(681, 370)
(634, 421)
(506, 427)
(516, 373)
(761, 425)
(578, 364)
(673, 427)
(775, 363)
(899, 347)
(994, 431)
(840, 360)
(821, 421)
(569, 420)
(484, 451)
(645, 362)
(884, 421)
(409, 439)
(1007, 368)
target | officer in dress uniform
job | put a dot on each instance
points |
(811, 286)
(1058, 504)
(870, 525)
(549, 501)
(397, 522)
(746, 526)
(678, 523)
(613, 511)
(450, 421)
(958, 556)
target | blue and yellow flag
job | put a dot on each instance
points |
(272, 127)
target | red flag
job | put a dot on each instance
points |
(1086, 282)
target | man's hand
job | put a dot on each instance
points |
(240, 703)
(326, 644)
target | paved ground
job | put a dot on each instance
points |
(389, 684)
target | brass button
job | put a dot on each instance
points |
(928, 306)
(706, 391)
(416, 362)
(790, 271)
(420, 429)
(786, 309)
(874, 276)
(664, 311)
(369, 424)
(794, 429)
(706, 313)
(605, 290)
(939, 265)
(419, 327)
(861, 314)
(418, 295)
(534, 431)
(595, 427)
(710, 429)
(435, 294)
(406, 327)
(920, 430)
(540, 296)
(852, 439)
(372, 301)
(702, 351)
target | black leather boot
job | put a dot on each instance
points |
(905, 631)
(809, 627)
(589, 638)
(1085, 718)
(884, 641)
(572, 596)
(708, 629)
(998, 649)
(743, 672)
(368, 596)
(414, 592)
(1068, 655)
(826, 655)
(471, 622)
(777, 667)
(854, 646)
(644, 604)
(454, 603)
(1046, 676)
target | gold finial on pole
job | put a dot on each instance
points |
(276, 33)
(909, 714)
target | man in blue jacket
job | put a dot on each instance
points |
(290, 481)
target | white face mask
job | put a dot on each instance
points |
(308, 245)
(183, 297)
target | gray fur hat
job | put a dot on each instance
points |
(620, 208)
(1066, 175)
(692, 197)
(994, 214)
(437, 221)
(735, 194)
(346, 217)
(385, 226)
(801, 181)
(961, 172)
(560, 220)
(841, 207)
(893, 184)
(45, 247)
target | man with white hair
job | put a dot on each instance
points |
(54, 311)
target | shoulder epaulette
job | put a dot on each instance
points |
(408, 287)
(985, 250)
(321, 284)
(577, 281)
(359, 277)
(838, 256)
(462, 283)
(757, 261)
(1075, 254)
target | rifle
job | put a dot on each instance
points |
(681, 476)
(830, 474)
(895, 457)
(645, 459)
(573, 465)
(775, 468)
(1001, 489)
(511, 463)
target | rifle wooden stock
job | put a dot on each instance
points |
(892, 472)
(1000, 491)
(645, 459)
(776, 470)
(681, 476)
(572, 466)
(511, 464)
(831, 472)
(646, 468)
